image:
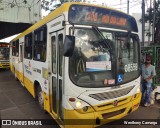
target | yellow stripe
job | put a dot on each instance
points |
(73, 114)
(46, 102)
(30, 86)
(27, 83)
(11, 67)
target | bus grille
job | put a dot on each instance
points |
(5, 63)
(111, 94)
(111, 114)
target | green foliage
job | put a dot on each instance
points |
(50, 5)
(149, 16)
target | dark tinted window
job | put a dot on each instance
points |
(28, 46)
(15, 48)
(40, 41)
(53, 40)
(60, 42)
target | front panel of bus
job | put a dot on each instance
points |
(102, 77)
(4, 55)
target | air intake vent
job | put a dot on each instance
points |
(111, 94)
(111, 114)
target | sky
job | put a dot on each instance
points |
(134, 7)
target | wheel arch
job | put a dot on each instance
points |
(36, 86)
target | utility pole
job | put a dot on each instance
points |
(154, 20)
(149, 24)
(143, 22)
(128, 7)
(120, 4)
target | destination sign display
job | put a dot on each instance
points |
(4, 45)
(90, 15)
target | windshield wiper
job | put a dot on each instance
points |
(103, 38)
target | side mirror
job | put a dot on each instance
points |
(69, 44)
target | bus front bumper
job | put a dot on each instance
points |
(4, 64)
(97, 118)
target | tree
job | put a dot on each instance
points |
(50, 5)
(150, 18)
(157, 23)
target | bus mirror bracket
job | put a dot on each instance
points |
(69, 44)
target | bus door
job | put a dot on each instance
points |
(21, 63)
(57, 62)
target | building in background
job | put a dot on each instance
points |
(18, 15)
(20, 11)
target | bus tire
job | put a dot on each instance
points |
(40, 97)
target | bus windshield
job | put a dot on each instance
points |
(4, 53)
(92, 63)
(127, 57)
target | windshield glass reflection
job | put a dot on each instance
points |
(4, 53)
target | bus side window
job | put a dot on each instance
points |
(28, 46)
(53, 40)
(40, 41)
(17, 48)
(13, 48)
(60, 43)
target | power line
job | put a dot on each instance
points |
(125, 3)
(125, 8)
(143, 22)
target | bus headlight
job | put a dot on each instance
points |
(138, 90)
(80, 105)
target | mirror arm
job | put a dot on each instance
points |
(73, 29)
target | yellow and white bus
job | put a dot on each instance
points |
(81, 61)
(4, 55)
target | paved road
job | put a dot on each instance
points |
(17, 103)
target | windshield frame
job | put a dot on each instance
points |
(111, 31)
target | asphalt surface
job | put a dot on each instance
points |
(17, 103)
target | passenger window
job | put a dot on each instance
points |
(40, 41)
(28, 46)
(17, 48)
(53, 40)
(13, 48)
(60, 42)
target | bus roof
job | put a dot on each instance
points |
(60, 10)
